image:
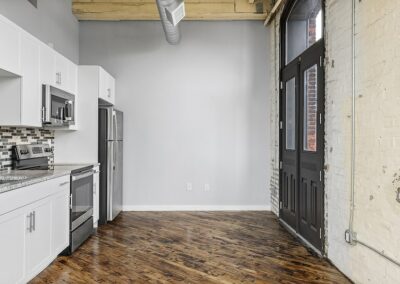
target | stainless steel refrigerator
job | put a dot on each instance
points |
(111, 163)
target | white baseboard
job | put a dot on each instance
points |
(196, 208)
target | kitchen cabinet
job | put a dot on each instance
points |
(38, 237)
(9, 47)
(61, 75)
(96, 195)
(31, 99)
(21, 96)
(58, 71)
(12, 240)
(60, 226)
(72, 82)
(34, 226)
(47, 65)
(106, 87)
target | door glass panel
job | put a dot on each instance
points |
(304, 27)
(291, 114)
(310, 109)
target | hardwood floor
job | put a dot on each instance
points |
(191, 247)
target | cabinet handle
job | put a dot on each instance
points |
(70, 202)
(34, 220)
(109, 92)
(64, 183)
(29, 217)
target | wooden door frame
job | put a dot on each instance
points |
(282, 64)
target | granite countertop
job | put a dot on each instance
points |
(13, 179)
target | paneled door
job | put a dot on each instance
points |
(302, 145)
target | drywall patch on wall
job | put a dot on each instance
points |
(10, 136)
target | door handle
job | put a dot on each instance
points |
(64, 183)
(29, 217)
(34, 220)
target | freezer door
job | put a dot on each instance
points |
(115, 185)
(118, 125)
(115, 124)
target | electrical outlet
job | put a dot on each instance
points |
(189, 186)
(207, 187)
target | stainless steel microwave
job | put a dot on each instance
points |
(58, 107)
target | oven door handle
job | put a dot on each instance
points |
(81, 176)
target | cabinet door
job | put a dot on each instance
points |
(60, 220)
(103, 85)
(12, 246)
(61, 75)
(111, 86)
(31, 101)
(38, 242)
(47, 65)
(96, 196)
(72, 77)
(9, 47)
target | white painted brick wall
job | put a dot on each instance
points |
(377, 217)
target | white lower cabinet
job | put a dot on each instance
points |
(33, 235)
(60, 221)
(12, 246)
(38, 237)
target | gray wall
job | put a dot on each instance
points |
(52, 22)
(197, 112)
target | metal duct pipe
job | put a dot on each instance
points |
(172, 33)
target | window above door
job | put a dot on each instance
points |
(304, 27)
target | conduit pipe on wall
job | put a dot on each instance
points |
(350, 234)
(172, 33)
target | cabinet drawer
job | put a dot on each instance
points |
(17, 198)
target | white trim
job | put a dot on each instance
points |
(196, 208)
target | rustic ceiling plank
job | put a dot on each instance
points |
(275, 9)
(114, 10)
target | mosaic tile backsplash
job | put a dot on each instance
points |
(10, 136)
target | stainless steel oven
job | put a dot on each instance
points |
(58, 107)
(81, 197)
(81, 205)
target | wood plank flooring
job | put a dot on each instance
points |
(191, 247)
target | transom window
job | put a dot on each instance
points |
(304, 27)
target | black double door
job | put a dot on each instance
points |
(302, 145)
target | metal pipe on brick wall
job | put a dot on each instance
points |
(350, 233)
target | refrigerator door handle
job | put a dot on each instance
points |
(115, 125)
(110, 174)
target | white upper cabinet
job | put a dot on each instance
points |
(72, 84)
(106, 87)
(58, 71)
(31, 99)
(47, 65)
(61, 75)
(9, 47)
(25, 64)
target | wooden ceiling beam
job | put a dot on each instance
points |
(119, 10)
